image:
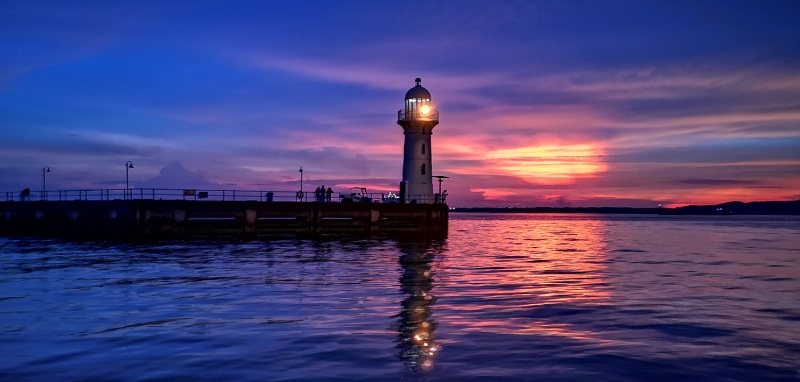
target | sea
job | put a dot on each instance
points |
(505, 297)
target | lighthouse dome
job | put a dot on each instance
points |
(418, 92)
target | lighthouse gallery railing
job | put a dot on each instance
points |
(403, 115)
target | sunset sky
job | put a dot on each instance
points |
(543, 103)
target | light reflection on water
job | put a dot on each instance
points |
(416, 328)
(504, 297)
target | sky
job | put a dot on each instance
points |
(542, 103)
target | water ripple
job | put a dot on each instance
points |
(505, 297)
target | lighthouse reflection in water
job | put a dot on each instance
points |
(416, 339)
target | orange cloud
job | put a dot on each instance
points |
(553, 164)
(549, 164)
(494, 193)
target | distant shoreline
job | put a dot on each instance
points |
(730, 208)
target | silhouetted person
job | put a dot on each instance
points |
(329, 193)
(24, 194)
(444, 196)
(317, 194)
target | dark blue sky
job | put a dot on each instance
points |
(542, 103)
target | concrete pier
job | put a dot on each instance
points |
(182, 219)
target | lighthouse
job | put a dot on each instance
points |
(418, 120)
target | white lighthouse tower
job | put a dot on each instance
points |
(417, 120)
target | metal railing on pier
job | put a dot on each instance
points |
(219, 195)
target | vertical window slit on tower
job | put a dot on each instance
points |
(423, 149)
(423, 169)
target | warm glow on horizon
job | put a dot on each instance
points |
(493, 193)
(550, 164)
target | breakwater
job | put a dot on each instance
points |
(182, 219)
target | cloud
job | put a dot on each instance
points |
(716, 182)
(175, 176)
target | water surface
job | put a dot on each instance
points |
(505, 297)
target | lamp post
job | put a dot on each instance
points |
(441, 179)
(45, 170)
(439, 198)
(301, 194)
(128, 165)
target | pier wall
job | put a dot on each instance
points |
(181, 219)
